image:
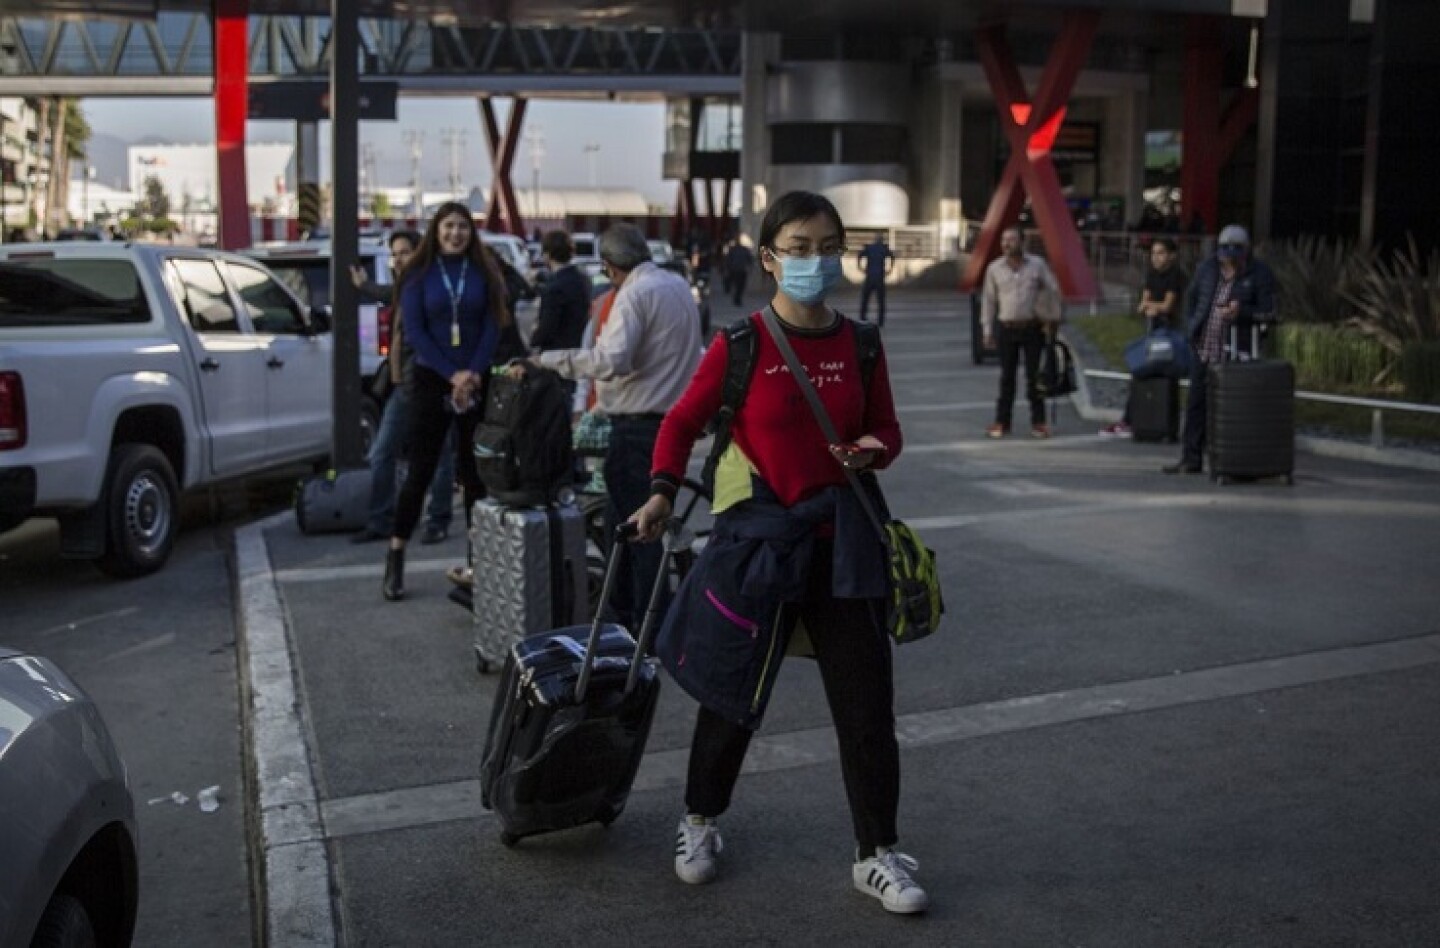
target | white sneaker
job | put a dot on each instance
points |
(886, 875)
(697, 843)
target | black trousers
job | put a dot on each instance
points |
(855, 666)
(1195, 413)
(1029, 340)
(876, 287)
(735, 284)
(429, 420)
(627, 487)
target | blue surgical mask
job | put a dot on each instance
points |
(808, 279)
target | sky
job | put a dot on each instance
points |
(630, 136)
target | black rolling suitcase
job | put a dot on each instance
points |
(570, 720)
(1155, 409)
(1250, 417)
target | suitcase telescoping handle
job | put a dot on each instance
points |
(1234, 353)
(674, 539)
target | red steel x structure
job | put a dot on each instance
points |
(503, 211)
(1030, 124)
(1210, 138)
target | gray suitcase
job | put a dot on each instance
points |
(524, 583)
(333, 502)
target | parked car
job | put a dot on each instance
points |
(69, 874)
(130, 371)
(304, 267)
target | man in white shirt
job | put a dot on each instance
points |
(640, 364)
(1022, 297)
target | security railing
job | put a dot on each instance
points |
(1377, 406)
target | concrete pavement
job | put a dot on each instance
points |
(1159, 712)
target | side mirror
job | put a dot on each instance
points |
(322, 319)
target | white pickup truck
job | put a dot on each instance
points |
(129, 372)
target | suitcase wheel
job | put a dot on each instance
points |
(508, 840)
(606, 817)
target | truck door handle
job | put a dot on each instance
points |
(275, 362)
(209, 364)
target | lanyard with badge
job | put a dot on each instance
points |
(455, 294)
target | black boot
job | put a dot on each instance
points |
(394, 584)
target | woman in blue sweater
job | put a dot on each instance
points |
(452, 298)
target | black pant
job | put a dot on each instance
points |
(1195, 412)
(855, 667)
(735, 281)
(429, 420)
(627, 487)
(1029, 339)
(876, 287)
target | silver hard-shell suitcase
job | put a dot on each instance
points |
(524, 580)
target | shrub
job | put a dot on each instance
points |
(1330, 357)
(1419, 370)
(1398, 302)
(1315, 275)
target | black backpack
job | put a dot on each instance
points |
(740, 367)
(522, 445)
(1057, 370)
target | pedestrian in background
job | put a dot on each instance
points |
(391, 437)
(564, 297)
(1022, 297)
(876, 260)
(641, 362)
(453, 302)
(1230, 289)
(1159, 304)
(791, 541)
(738, 262)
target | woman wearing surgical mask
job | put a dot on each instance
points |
(790, 542)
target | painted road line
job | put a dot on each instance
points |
(460, 800)
(297, 897)
(943, 407)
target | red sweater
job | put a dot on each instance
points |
(775, 428)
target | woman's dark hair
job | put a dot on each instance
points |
(796, 206)
(1165, 242)
(556, 245)
(481, 257)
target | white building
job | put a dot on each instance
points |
(93, 200)
(189, 175)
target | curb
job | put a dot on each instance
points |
(1407, 458)
(290, 865)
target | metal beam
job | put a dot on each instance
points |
(1029, 125)
(346, 452)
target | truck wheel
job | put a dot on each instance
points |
(64, 925)
(142, 511)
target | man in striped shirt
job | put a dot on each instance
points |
(1230, 289)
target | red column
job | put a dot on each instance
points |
(232, 70)
(1030, 125)
(1208, 139)
(1199, 158)
(684, 216)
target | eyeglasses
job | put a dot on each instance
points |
(829, 250)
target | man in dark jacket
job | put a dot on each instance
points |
(1231, 290)
(564, 298)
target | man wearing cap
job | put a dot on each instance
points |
(1230, 289)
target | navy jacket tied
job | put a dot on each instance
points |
(726, 632)
(1254, 290)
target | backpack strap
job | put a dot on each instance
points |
(867, 341)
(741, 346)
